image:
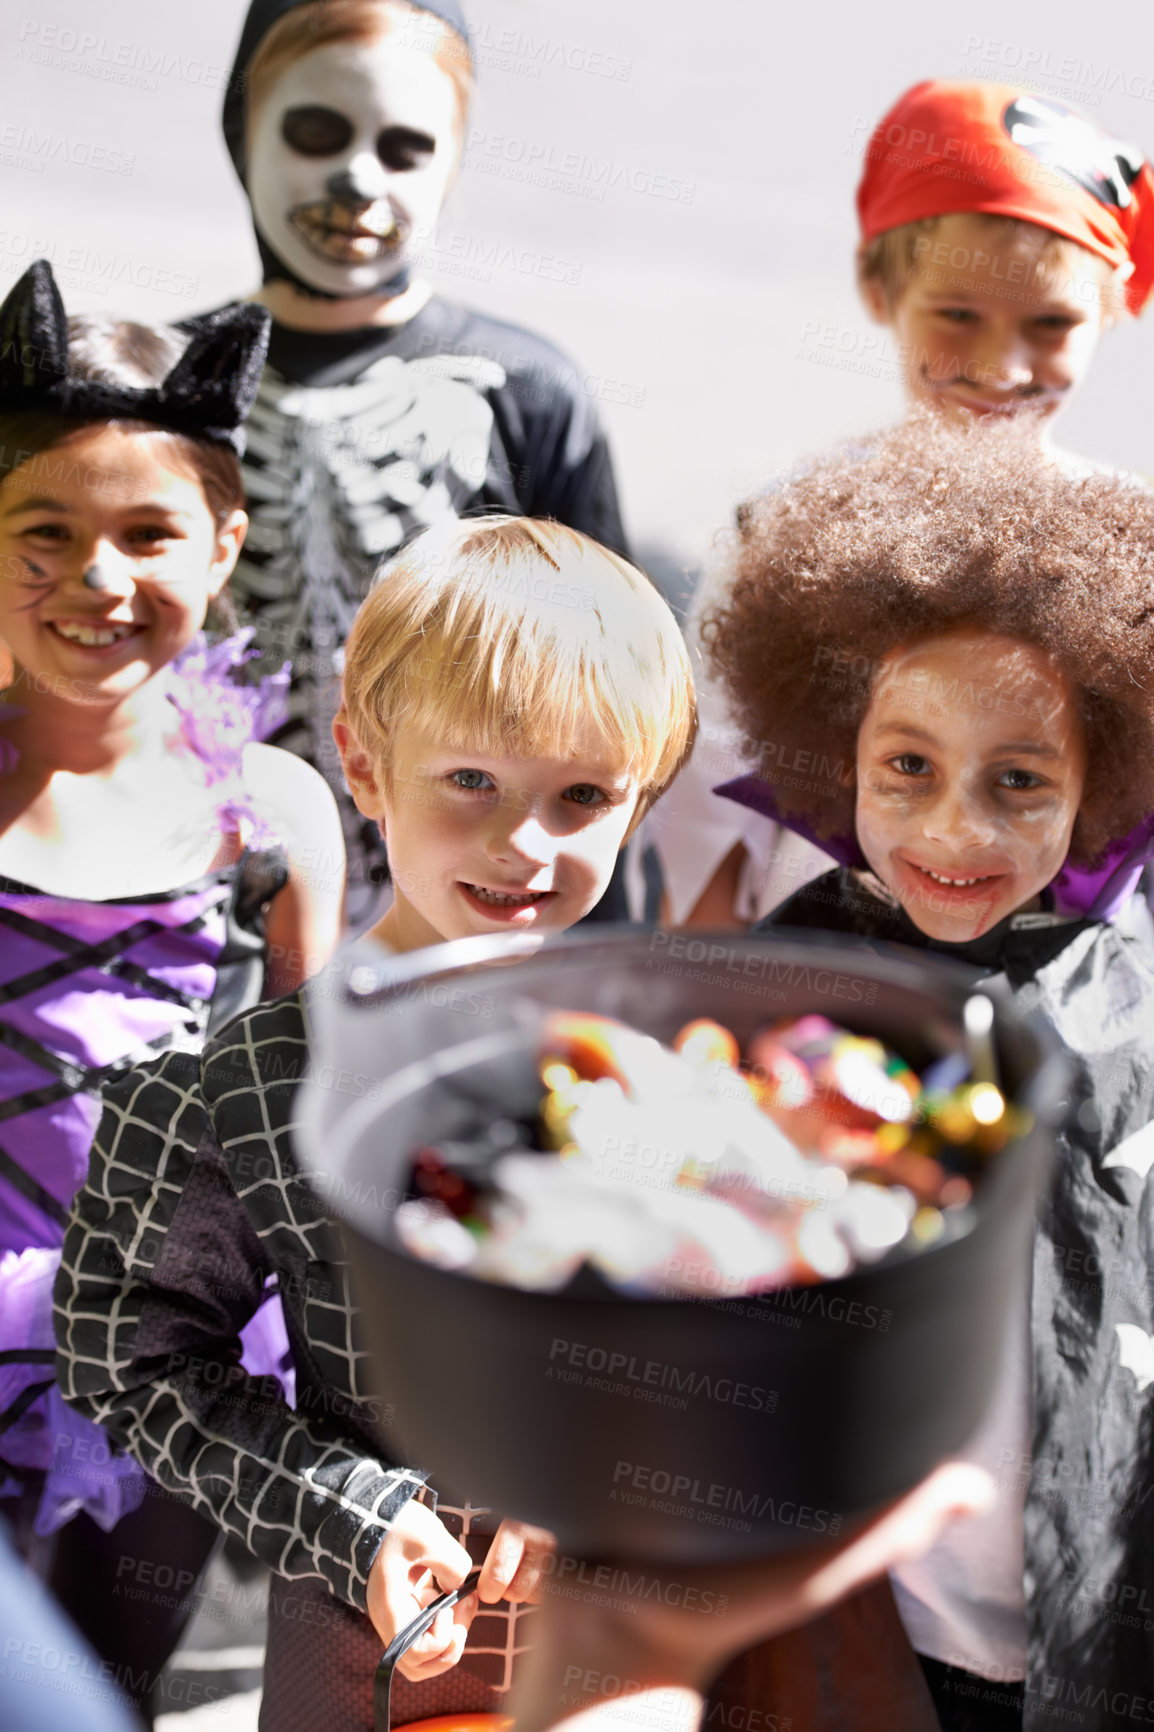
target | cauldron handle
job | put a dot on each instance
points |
(403, 1641)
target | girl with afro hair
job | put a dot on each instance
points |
(942, 656)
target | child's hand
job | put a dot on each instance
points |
(514, 1562)
(418, 1561)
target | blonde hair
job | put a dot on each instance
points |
(892, 258)
(509, 636)
(320, 22)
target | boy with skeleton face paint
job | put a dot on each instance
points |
(383, 408)
(346, 152)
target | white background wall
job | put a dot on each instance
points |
(718, 326)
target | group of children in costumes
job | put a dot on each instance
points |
(383, 407)
(935, 653)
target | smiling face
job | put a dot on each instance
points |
(124, 504)
(985, 327)
(483, 844)
(970, 770)
(350, 156)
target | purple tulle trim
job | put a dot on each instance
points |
(1103, 891)
(760, 796)
(1078, 892)
(221, 714)
(266, 1351)
(87, 1472)
(82, 1468)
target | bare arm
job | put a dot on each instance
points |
(303, 922)
(715, 908)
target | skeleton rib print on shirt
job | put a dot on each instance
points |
(360, 440)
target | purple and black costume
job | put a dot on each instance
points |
(87, 990)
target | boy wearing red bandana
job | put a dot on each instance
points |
(1002, 234)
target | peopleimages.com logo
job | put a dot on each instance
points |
(685, 1495)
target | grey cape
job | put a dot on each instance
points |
(1089, 1511)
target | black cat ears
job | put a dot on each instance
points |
(207, 394)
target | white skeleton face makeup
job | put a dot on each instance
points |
(350, 157)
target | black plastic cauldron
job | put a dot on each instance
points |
(664, 1430)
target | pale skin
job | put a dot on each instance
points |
(104, 797)
(971, 764)
(980, 330)
(480, 843)
(419, 1559)
(984, 328)
(540, 835)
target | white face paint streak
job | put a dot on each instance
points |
(346, 213)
